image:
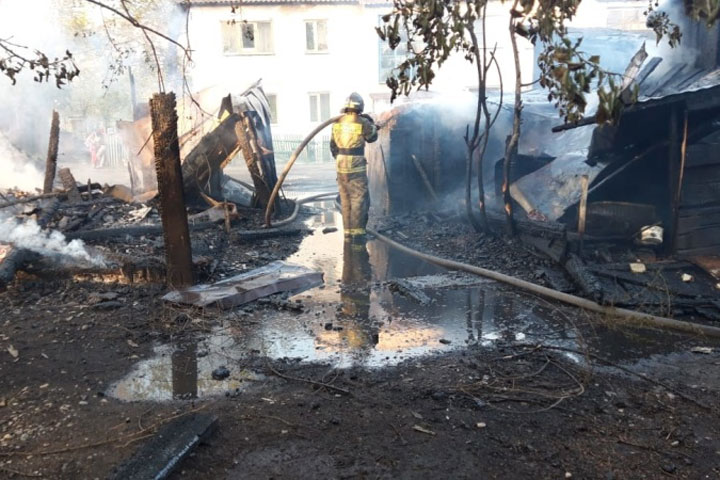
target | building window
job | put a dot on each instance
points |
(319, 107)
(272, 101)
(316, 36)
(246, 37)
(389, 59)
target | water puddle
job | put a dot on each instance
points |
(183, 372)
(357, 319)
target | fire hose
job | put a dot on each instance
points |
(623, 315)
(286, 170)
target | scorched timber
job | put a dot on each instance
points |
(142, 230)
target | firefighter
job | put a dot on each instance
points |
(347, 145)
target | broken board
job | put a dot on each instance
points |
(163, 453)
(273, 278)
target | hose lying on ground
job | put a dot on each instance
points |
(302, 201)
(626, 316)
(286, 170)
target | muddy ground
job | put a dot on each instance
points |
(615, 404)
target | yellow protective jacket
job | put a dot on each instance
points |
(347, 143)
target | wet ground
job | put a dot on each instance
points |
(359, 318)
(358, 378)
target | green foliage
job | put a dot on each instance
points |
(703, 10)
(568, 73)
(16, 58)
(434, 29)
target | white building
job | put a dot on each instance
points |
(310, 54)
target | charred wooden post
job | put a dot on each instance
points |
(252, 154)
(678, 185)
(170, 187)
(51, 162)
(69, 184)
(674, 162)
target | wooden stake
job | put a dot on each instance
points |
(424, 177)
(582, 211)
(170, 187)
(678, 191)
(51, 162)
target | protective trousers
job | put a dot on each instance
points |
(355, 202)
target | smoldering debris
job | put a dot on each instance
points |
(28, 235)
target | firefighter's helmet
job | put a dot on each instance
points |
(354, 103)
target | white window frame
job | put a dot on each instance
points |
(318, 106)
(242, 50)
(315, 22)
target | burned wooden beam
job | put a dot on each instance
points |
(11, 259)
(585, 280)
(143, 230)
(159, 457)
(122, 270)
(253, 153)
(405, 288)
(202, 168)
(69, 185)
(14, 257)
(546, 229)
(51, 162)
(170, 187)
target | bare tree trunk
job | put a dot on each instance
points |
(513, 140)
(51, 162)
(468, 187)
(472, 144)
(170, 186)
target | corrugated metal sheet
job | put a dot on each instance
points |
(676, 81)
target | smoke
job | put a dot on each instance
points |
(50, 243)
(18, 170)
(99, 96)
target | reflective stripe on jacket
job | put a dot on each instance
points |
(347, 142)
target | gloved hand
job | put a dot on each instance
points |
(368, 117)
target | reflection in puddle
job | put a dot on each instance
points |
(355, 319)
(183, 373)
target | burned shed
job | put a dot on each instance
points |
(659, 165)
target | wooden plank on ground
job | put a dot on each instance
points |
(163, 453)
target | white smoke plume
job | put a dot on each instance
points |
(18, 170)
(51, 243)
